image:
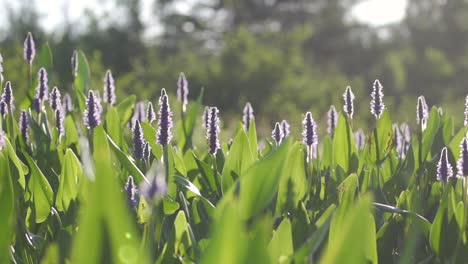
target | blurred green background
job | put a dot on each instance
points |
(284, 56)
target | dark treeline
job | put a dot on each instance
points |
(284, 56)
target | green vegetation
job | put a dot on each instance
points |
(66, 197)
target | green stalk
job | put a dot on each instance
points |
(188, 141)
(217, 176)
(166, 162)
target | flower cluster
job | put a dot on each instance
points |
(377, 106)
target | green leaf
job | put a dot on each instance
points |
(224, 245)
(429, 134)
(7, 207)
(41, 192)
(125, 109)
(260, 183)
(20, 166)
(101, 222)
(252, 134)
(126, 162)
(71, 135)
(82, 79)
(113, 125)
(238, 159)
(281, 245)
(343, 143)
(293, 184)
(191, 187)
(70, 178)
(313, 242)
(342, 246)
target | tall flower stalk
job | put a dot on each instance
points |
(164, 134)
(444, 168)
(309, 133)
(92, 113)
(348, 106)
(109, 88)
(212, 136)
(277, 134)
(332, 120)
(182, 96)
(462, 163)
(29, 53)
(248, 116)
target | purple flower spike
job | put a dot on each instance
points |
(182, 90)
(310, 137)
(3, 108)
(206, 118)
(285, 129)
(150, 114)
(164, 134)
(248, 116)
(55, 99)
(444, 169)
(7, 97)
(348, 107)
(138, 140)
(421, 110)
(24, 125)
(310, 130)
(92, 114)
(377, 106)
(132, 192)
(466, 111)
(360, 138)
(146, 151)
(74, 64)
(67, 103)
(29, 48)
(109, 88)
(42, 90)
(277, 133)
(332, 120)
(59, 121)
(212, 133)
(462, 163)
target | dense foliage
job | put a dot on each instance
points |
(103, 179)
(297, 54)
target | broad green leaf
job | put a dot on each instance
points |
(260, 184)
(293, 184)
(252, 134)
(7, 207)
(82, 79)
(224, 245)
(429, 134)
(41, 192)
(281, 245)
(343, 143)
(127, 163)
(100, 222)
(71, 135)
(435, 236)
(19, 165)
(191, 187)
(342, 246)
(238, 159)
(70, 176)
(125, 109)
(313, 242)
(113, 125)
